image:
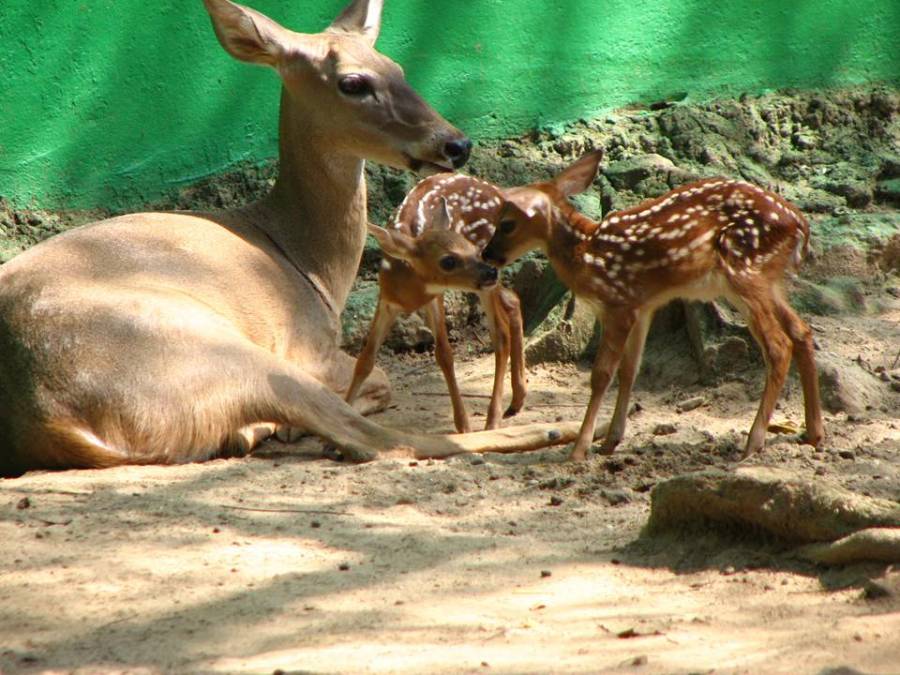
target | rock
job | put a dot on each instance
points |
(625, 174)
(883, 587)
(804, 140)
(409, 334)
(813, 200)
(616, 497)
(568, 340)
(845, 386)
(731, 353)
(791, 508)
(690, 403)
(888, 190)
(664, 429)
(857, 193)
(881, 544)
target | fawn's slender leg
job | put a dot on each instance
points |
(760, 307)
(801, 336)
(385, 315)
(628, 370)
(500, 335)
(617, 325)
(513, 308)
(443, 354)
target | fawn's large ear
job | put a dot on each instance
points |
(362, 17)
(579, 176)
(525, 204)
(394, 243)
(250, 36)
(442, 218)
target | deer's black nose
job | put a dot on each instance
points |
(487, 275)
(457, 151)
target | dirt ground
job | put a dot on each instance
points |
(285, 562)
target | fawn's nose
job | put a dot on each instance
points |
(487, 275)
(457, 151)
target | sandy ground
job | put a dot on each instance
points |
(283, 561)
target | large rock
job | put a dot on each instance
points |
(845, 386)
(625, 174)
(565, 340)
(776, 501)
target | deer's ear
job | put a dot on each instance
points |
(579, 176)
(362, 17)
(442, 218)
(248, 35)
(394, 243)
(525, 204)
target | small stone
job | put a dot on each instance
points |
(616, 497)
(23, 503)
(689, 404)
(315, 524)
(555, 500)
(343, 567)
(846, 454)
(545, 574)
(874, 590)
(664, 429)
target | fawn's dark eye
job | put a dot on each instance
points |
(507, 226)
(448, 263)
(355, 85)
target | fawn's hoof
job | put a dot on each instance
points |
(511, 411)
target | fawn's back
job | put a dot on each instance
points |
(693, 242)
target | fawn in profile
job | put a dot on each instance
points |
(712, 238)
(434, 243)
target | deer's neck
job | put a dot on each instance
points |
(562, 242)
(316, 213)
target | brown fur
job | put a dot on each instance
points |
(700, 241)
(161, 337)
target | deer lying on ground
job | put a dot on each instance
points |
(169, 337)
(712, 238)
(434, 243)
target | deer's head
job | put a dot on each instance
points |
(355, 98)
(531, 214)
(441, 255)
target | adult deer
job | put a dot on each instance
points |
(165, 338)
(712, 238)
(434, 243)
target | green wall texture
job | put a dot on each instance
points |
(116, 102)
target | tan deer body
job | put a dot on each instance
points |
(441, 227)
(714, 238)
(170, 337)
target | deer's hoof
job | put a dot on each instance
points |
(511, 411)
(348, 454)
(578, 455)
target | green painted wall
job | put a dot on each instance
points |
(115, 102)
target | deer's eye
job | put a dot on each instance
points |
(448, 263)
(355, 85)
(507, 226)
